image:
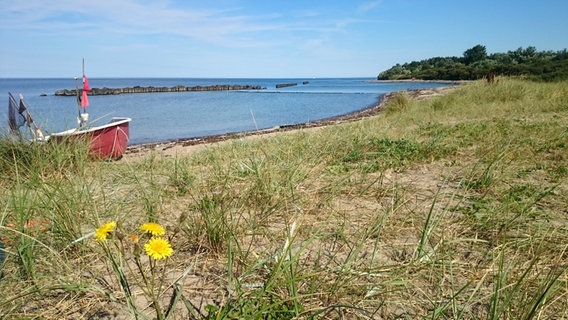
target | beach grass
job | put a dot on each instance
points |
(451, 207)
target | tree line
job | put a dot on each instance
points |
(476, 64)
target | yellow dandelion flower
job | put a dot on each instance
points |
(102, 233)
(153, 229)
(158, 248)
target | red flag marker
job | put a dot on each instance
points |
(84, 99)
(86, 86)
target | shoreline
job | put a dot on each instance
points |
(455, 82)
(185, 143)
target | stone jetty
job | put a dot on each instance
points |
(139, 89)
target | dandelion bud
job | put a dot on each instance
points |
(119, 235)
(182, 217)
(137, 250)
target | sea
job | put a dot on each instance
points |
(160, 117)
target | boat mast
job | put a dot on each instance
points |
(83, 116)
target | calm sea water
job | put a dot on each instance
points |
(167, 116)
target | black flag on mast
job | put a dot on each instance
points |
(17, 114)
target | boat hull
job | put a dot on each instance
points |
(108, 141)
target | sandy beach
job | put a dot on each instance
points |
(186, 146)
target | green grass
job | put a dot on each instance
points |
(452, 207)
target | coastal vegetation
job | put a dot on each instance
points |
(451, 207)
(476, 63)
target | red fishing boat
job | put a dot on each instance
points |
(108, 141)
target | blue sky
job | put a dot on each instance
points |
(276, 39)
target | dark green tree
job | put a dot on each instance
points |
(475, 54)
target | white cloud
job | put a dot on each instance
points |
(368, 6)
(227, 27)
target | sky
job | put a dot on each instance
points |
(262, 38)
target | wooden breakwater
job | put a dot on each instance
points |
(291, 84)
(284, 85)
(151, 89)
